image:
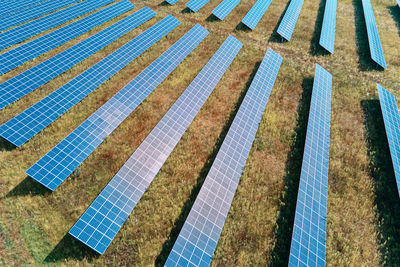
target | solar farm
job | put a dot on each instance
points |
(200, 132)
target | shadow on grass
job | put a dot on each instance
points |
(395, 13)
(315, 48)
(5, 145)
(70, 248)
(365, 62)
(242, 27)
(164, 3)
(212, 18)
(284, 224)
(387, 197)
(30, 187)
(186, 10)
(178, 224)
(275, 37)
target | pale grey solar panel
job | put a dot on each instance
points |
(11, 7)
(24, 126)
(391, 118)
(327, 39)
(199, 236)
(288, 23)
(398, 2)
(31, 79)
(374, 40)
(195, 5)
(60, 162)
(34, 12)
(98, 225)
(309, 229)
(255, 14)
(223, 9)
(23, 32)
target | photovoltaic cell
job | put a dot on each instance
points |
(10, 7)
(327, 39)
(171, 2)
(23, 32)
(34, 12)
(60, 162)
(391, 118)
(309, 230)
(26, 82)
(223, 9)
(199, 236)
(398, 2)
(24, 126)
(21, 54)
(105, 216)
(289, 21)
(195, 5)
(375, 45)
(255, 14)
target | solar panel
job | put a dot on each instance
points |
(105, 216)
(309, 230)
(391, 119)
(33, 13)
(289, 21)
(255, 14)
(23, 32)
(195, 5)
(59, 163)
(11, 7)
(327, 39)
(223, 9)
(24, 126)
(375, 45)
(398, 2)
(24, 83)
(171, 2)
(199, 236)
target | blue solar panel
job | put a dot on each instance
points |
(255, 14)
(223, 9)
(33, 13)
(199, 236)
(375, 45)
(10, 7)
(26, 82)
(391, 118)
(398, 2)
(309, 230)
(21, 54)
(327, 39)
(23, 32)
(289, 21)
(171, 2)
(24, 126)
(105, 216)
(59, 163)
(195, 5)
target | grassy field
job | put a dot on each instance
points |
(363, 223)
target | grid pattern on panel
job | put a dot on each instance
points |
(199, 236)
(374, 40)
(33, 13)
(59, 163)
(105, 216)
(9, 7)
(31, 79)
(391, 119)
(171, 2)
(255, 14)
(195, 5)
(309, 229)
(24, 126)
(223, 9)
(21, 54)
(23, 32)
(289, 21)
(327, 39)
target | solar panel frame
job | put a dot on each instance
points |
(195, 5)
(29, 29)
(33, 78)
(126, 188)
(391, 119)
(256, 13)
(327, 39)
(25, 125)
(289, 21)
(375, 45)
(17, 6)
(52, 169)
(200, 233)
(308, 243)
(224, 8)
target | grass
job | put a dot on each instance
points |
(363, 205)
